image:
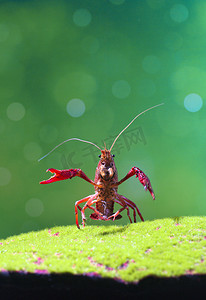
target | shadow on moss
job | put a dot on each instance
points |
(112, 231)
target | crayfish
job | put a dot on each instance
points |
(105, 184)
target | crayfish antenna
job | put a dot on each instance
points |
(132, 122)
(72, 139)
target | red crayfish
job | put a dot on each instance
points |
(105, 184)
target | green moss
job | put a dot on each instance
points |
(165, 247)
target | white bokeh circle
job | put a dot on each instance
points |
(76, 108)
(193, 102)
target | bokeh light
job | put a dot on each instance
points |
(121, 89)
(34, 207)
(15, 111)
(193, 102)
(179, 13)
(76, 108)
(82, 17)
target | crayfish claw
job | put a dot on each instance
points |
(144, 181)
(53, 171)
(60, 175)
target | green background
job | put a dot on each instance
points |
(118, 57)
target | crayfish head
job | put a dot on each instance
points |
(106, 165)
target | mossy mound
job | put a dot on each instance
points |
(164, 248)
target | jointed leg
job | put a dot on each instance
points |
(122, 203)
(132, 205)
(88, 205)
(128, 212)
(91, 197)
(101, 217)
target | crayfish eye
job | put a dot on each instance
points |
(99, 155)
(113, 155)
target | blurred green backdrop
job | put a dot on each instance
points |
(85, 69)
